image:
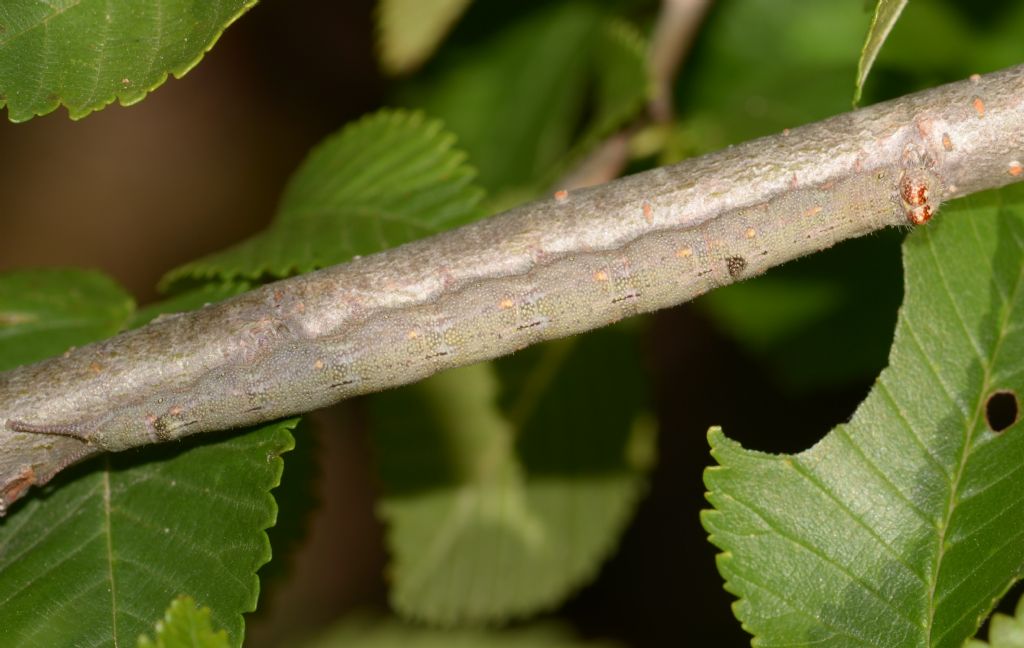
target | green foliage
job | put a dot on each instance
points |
(185, 626)
(97, 554)
(757, 60)
(986, 41)
(507, 483)
(887, 12)
(620, 87)
(389, 178)
(901, 527)
(46, 312)
(1003, 631)
(517, 98)
(86, 53)
(408, 31)
(367, 632)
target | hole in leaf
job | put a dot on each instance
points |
(1001, 410)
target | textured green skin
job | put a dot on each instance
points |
(545, 270)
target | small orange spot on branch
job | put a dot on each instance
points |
(601, 275)
(947, 143)
(505, 304)
(750, 233)
(812, 211)
(979, 107)
(412, 335)
(561, 195)
(684, 253)
(648, 213)
(1016, 169)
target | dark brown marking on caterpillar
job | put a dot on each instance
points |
(626, 297)
(920, 192)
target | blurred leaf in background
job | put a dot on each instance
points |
(392, 177)
(185, 625)
(359, 631)
(408, 31)
(887, 12)
(44, 313)
(530, 87)
(507, 484)
(1004, 631)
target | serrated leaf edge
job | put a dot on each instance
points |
(180, 71)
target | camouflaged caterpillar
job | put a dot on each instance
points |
(290, 365)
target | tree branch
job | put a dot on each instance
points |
(548, 269)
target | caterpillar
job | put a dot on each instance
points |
(576, 261)
(287, 363)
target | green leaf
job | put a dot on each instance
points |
(511, 86)
(803, 53)
(977, 45)
(367, 632)
(298, 497)
(507, 484)
(408, 31)
(517, 81)
(389, 178)
(620, 70)
(1003, 631)
(86, 53)
(887, 12)
(901, 527)
(45, 312)
(185, 625)
(95, 557)
(621, 88)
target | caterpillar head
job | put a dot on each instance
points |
(920, 194)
